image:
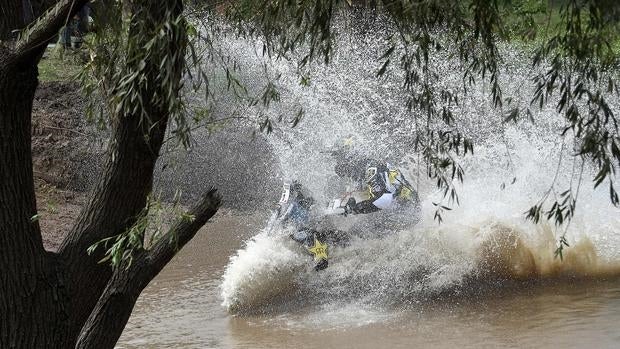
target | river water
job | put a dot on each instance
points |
(182, 307)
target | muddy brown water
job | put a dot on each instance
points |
(182, 308)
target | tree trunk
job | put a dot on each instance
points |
(118, 198)
(32, 296)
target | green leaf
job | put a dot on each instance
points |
(191, 30)
(383, 68)
(388, 52)
(512, 116)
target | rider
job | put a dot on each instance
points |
(385, 185)
(299, 212)
(386, 188)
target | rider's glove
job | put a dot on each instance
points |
(349, 208)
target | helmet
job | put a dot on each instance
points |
(295, 187)
(371, 172)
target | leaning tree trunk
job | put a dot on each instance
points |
(106, 322)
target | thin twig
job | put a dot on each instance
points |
(64, 129)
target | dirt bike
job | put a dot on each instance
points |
(319, 228)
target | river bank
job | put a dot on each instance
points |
(64, 151)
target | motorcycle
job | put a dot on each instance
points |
(317, 229)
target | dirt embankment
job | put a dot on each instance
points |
(65, 153)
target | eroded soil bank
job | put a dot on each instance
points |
(65, 154)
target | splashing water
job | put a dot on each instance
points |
(484, 243)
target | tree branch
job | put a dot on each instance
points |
(182, 232)
(43, 29)
(111, 313)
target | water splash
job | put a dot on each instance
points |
(265, 268)
(484, 242)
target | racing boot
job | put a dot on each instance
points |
(322, 264)
(319, 251)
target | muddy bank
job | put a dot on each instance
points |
(65, 155)
(66, 149)
(57, 211)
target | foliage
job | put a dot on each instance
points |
(287, 25)
(121, 68)
(528, 19)
(221, 78)
(583, 66)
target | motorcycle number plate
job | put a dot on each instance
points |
(286, 192)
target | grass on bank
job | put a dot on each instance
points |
(534, 22)
(60, 64)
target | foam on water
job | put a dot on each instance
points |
(265, 268)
